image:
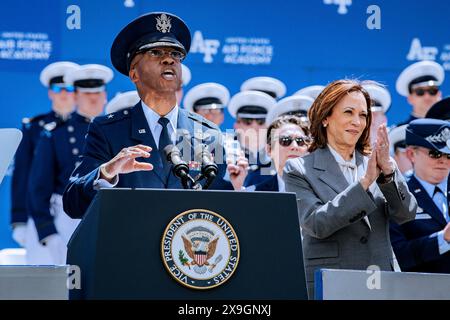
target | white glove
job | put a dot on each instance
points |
(57, 248)
(19, 234)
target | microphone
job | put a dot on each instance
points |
(180, 168)
(209, 168)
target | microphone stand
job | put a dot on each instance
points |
(209, 168)
(180, 168)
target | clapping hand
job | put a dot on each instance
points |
(382, 151)
(379, 160)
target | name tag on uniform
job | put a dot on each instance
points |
(422, 216)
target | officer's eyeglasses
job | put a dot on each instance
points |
(159, 53)
(434, 154)
(57, 88)
(286, 141)
(248, 121)
(431, 91)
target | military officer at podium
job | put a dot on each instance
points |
(126, 149)
(423, 245)
(57, 155)
(62, 104)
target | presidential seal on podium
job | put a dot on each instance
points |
(200, 249)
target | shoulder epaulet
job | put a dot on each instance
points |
(33, 121)
(26, 120)
(113, 117)
(36, 118)
(202, 120)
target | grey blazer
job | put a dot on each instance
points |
(331, 214)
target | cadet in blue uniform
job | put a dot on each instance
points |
(420, 84)
(208, 100)
(250, 109)
(62, 98)
(57, 155)
(250, 120)
(118, 147)
(423, 245)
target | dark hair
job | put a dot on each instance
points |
(283, 120)
(323, 107)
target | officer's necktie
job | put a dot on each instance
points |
(441, 202)
(164, 141)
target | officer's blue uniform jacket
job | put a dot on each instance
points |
(415, 250)
(108, 135)
(255, 175)
(270, 184)
(56, 156)
(31, 129)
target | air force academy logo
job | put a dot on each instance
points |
(200, 249)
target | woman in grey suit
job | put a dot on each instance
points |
(347, 190)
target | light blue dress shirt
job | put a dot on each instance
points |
(152, 120)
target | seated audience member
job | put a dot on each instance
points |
(423, 245)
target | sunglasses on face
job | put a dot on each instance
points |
(431, 91)
(286, 141)
(434, 154)
(159, 53)
(56, 88)
(248, 121)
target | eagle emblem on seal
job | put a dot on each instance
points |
(200, 245)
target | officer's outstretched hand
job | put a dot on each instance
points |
(125, 162)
